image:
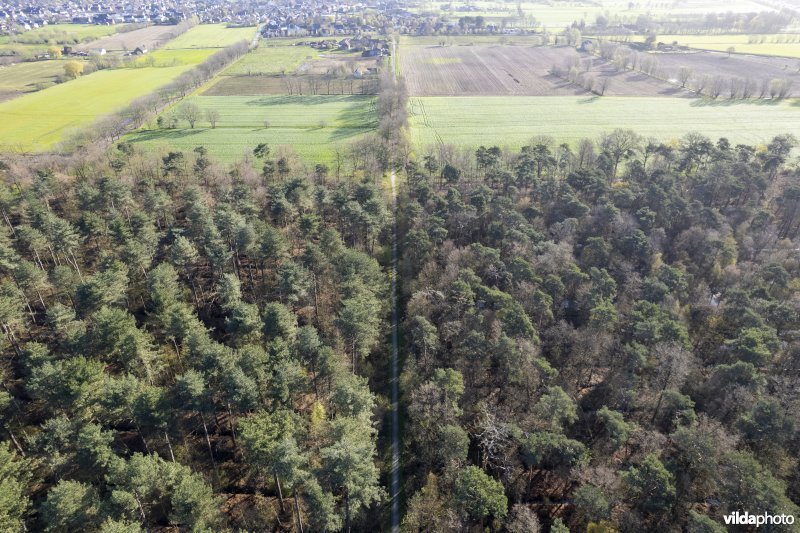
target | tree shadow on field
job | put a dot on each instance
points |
(672, 91)
(355, 119)
(727, 102)
(166, 134)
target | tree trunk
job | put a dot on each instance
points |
(346, 511)
(13, 231)
(280, 493)
(75, 264)
(230, 424)
(16, 442)
(39, 260)
(41, 300)
(658, 406)
(169, 445)
(208, 439)
(141, 436)
(141, 508)
(177, 352)
(316, 300)
(297, 509)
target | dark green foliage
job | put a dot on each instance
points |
(612, 330)
(624, 319)
(478, 495)
(151, 322)
(553, 451)
(14, 476)
(649, 485)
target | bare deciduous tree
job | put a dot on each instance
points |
(735, 87)
(683, 75)
(716, 87)
(212, 115)
(190, 113)
(601, 85)
(673, 366)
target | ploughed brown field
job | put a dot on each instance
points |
(474, 70)
(151, 37)
(498, 70)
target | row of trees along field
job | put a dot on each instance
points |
(709, 23)
(187, 348)
(601, 340)
(145, 110)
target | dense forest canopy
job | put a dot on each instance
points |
(176, 340)
(608, 337)
(597, 338)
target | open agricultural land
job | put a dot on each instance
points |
(19, 78)
(556, 15)
(174, 58)
(36, 122)
(460, 93)
(299, 100)
(782, 45)
(37, 41)
(40, 120)
(274, 56)
(312, 127)
(512, 122)
(291, 66)
(757, 69)
(211, 36)
(768, 45)
(492, 69)
(150, 37)
(63, 34)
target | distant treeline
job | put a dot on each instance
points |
(763, 22)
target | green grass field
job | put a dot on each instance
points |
(23, 51)
(61, 34)
(293, 121)
(472, 121)
(29, 77)
(211, 36)
(272, 57)
(37, 121)
(174, 58)
(740, 43)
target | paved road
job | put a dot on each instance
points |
(394, 487)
